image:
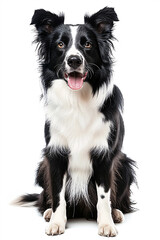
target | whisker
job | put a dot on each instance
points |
(95, 65)
(58, 72)
(90, 71)
(56, 66)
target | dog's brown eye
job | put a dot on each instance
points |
(61, 45)
(88, 45)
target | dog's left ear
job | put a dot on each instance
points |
(103, 20)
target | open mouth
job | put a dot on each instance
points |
(75, 80)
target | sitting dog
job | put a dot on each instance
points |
(84, 173)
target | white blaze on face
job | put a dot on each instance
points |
(75, 77)
(73, 50)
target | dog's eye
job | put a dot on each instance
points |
(88, 44)
(61, 45)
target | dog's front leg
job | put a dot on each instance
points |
(58, 163)
(101, 167)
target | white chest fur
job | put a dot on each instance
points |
(76, 123)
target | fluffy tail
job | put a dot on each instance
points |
(125, 176)
(27, 200)
(126, 179)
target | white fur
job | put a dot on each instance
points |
(58, 218)
(106, 225)
(19, 201)
(74, 51)
(76, 123)
(47, 214)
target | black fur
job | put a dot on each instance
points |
(113, 169)
(58, 164)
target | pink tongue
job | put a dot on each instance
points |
(75, 83)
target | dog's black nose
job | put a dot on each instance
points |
(74, 61)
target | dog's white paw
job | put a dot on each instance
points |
(55, 229)
(47, 214)
(117, 215)
(107, 230)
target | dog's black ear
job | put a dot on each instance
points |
(103, 20)
(45, 21)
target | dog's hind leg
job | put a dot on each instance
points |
(47, 214)
(117, 215)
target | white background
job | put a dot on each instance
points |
(136, 72)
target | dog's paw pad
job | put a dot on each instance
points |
(107, 230)
(47, 214)
(55, 229)
(117, 215)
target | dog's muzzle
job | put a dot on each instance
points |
(75, 73)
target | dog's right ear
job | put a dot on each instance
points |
(45, 21)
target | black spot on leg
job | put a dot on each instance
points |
(102, 196)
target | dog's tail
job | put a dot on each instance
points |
(27, 200)
(124, 178)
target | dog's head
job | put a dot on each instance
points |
(75, 53)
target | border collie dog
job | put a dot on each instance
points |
(83, 174)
